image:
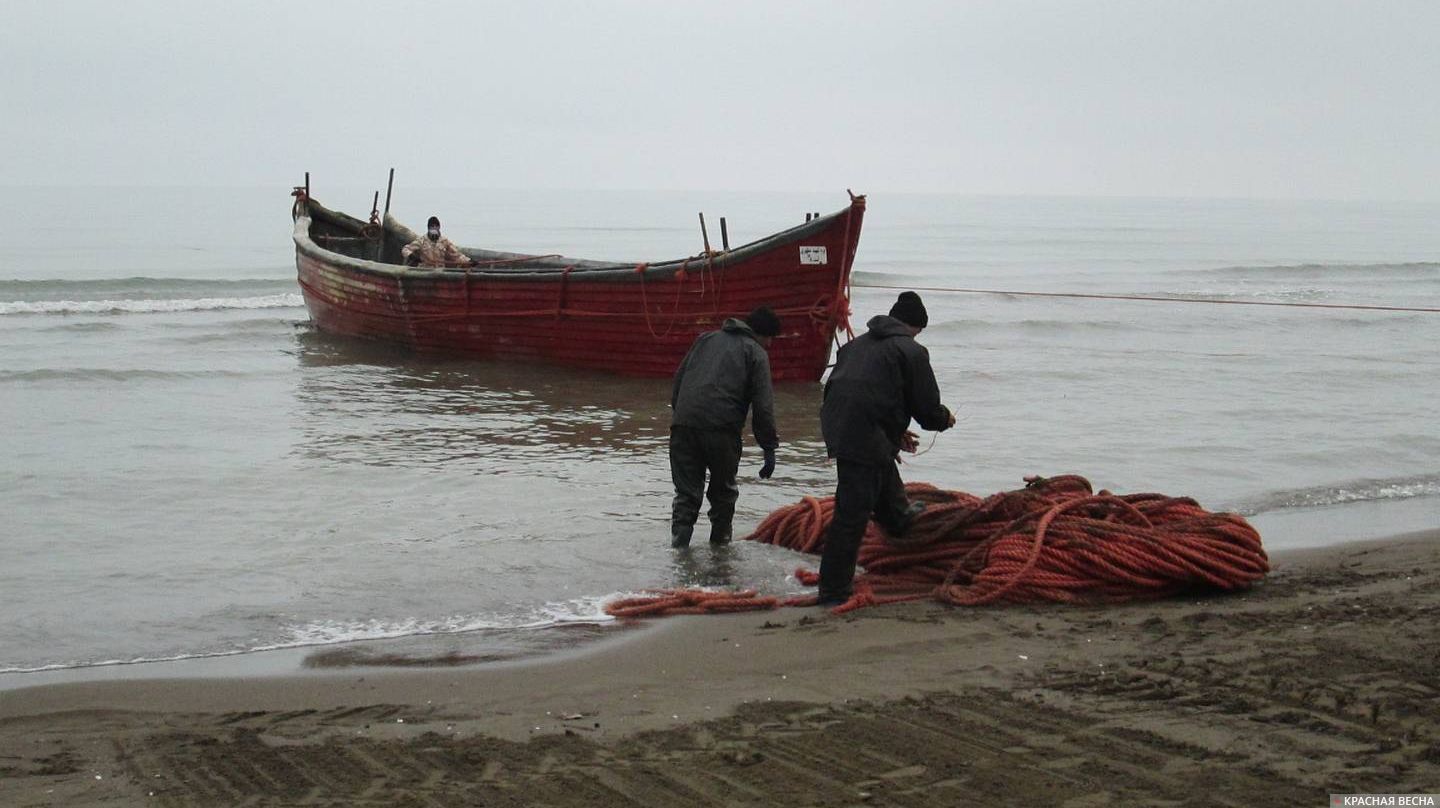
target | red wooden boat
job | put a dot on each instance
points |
(633, 319)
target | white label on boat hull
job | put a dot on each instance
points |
(813, 255)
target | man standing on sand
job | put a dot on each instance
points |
(433, 250)
(882, 379)
(726, 373)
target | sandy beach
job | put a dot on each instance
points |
(1322, 679)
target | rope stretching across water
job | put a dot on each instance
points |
(1153, 298)
(1054, 540)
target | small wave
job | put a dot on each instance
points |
(1357, 491)
(1308, 294)
(1031, 325)
(151, 306)
(334, 632)
(885, 282)
(82, 327)
(112, 375)
(861, 276)
(1391, 320)
(1417, 269)
(580, 611)
(140, 287)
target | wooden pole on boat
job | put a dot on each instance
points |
(724, 236)
(307, 184)
(375, 219)
(380, 248)
(704, 235)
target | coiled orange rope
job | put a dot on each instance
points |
(1053, 540)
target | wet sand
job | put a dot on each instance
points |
(1325, 678)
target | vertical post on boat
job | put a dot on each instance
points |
(724, 236)
(704, 235)
(380, 248)
(807, 217)
(307, 184)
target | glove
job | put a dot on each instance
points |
(769, 467)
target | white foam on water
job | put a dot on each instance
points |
(279, 301)
(334, 632)
(1355, 491)
(578, 611)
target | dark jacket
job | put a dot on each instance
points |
(726, 373)
(881, 380)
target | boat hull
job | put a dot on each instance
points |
(637, 320)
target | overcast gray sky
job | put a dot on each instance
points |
(1313, 99)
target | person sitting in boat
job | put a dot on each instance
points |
(434, 250)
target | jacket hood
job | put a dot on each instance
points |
(883, 326)
(735, 325)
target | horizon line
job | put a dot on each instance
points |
(868, 193)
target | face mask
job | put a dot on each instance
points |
(433, 234)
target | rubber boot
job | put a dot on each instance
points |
(680, 536)
(907, 519)
(720, 532)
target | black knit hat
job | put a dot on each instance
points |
(434, 222)
(909, 310)
(764, 322)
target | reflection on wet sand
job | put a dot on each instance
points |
(463, 648)
(365, 402)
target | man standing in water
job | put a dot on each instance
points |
(726, 373)
(882, 379)
(433, 250)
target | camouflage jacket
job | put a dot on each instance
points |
(439, 253)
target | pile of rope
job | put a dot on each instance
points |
(1053, 540)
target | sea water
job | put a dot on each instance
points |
(189, 469)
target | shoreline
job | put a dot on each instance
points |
(1288, 533)
(1322, 677)
(333, 658)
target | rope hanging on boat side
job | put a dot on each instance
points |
(561, 300)
(717, 280)
(301, 197)
(842, 286)
(641, 270)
